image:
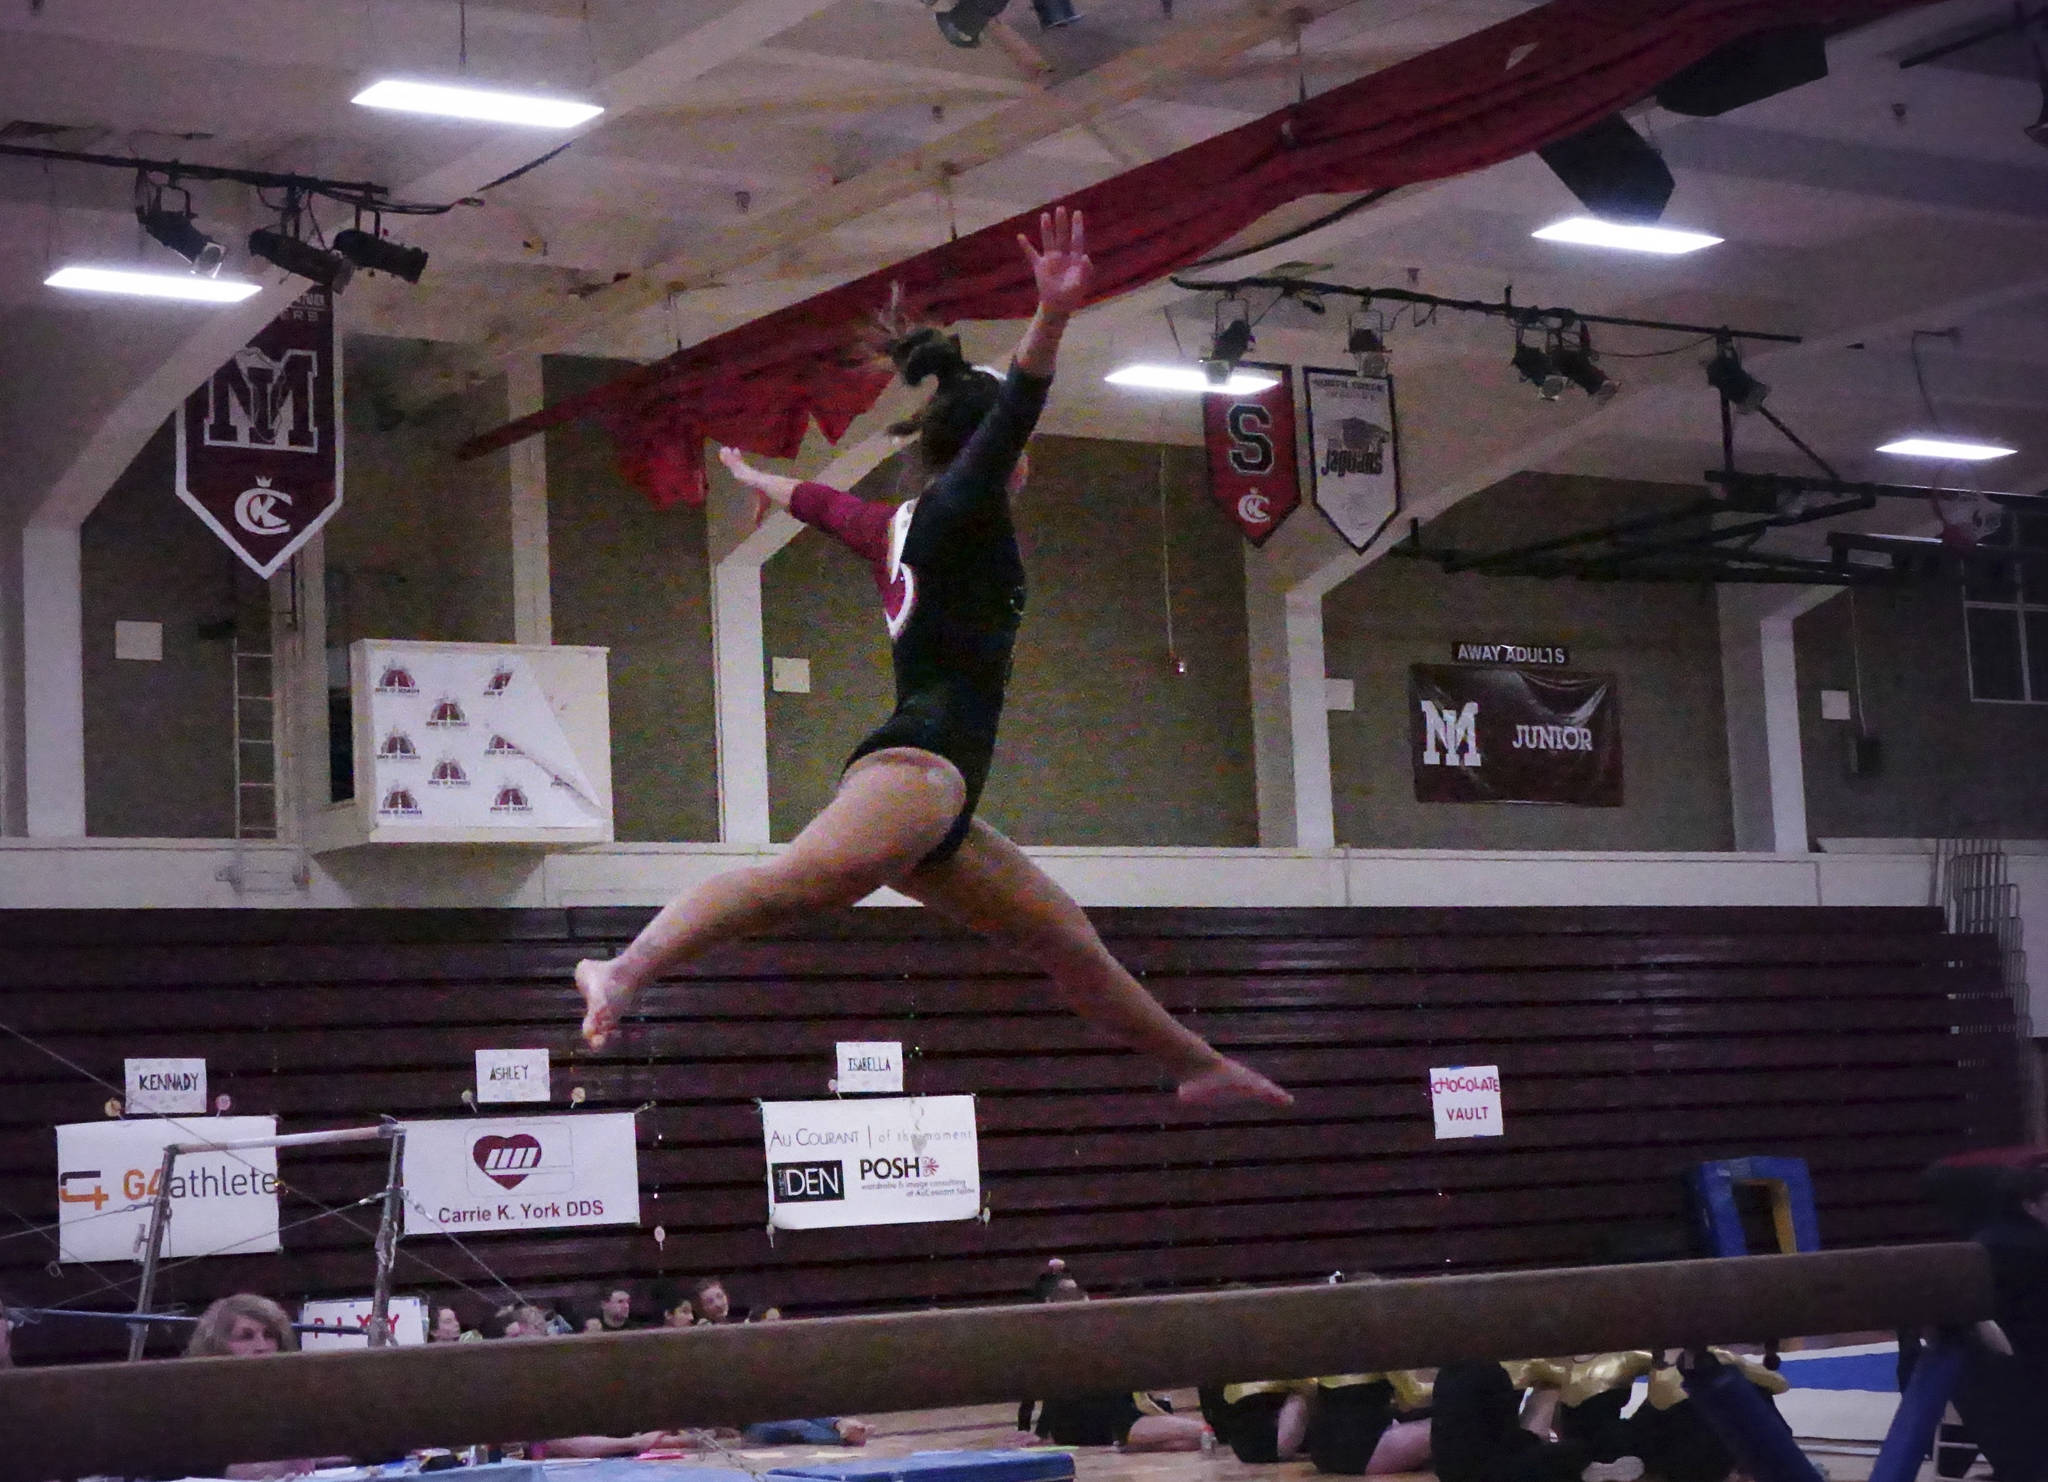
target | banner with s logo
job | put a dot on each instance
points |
(1250, 437)
(259, 445)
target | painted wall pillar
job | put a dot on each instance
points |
(1760, 697)
(53, 673)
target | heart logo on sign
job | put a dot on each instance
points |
(507, 1160)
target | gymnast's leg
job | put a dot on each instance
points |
(990, 885)
(892, 808)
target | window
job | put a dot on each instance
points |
(2005, 615)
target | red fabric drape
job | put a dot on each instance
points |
(1491, 96)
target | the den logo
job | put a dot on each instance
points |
(808, 1183)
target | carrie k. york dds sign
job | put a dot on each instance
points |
(108, 1174)
(895, 1161)
(521, 1173)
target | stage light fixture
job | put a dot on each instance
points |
(963, 23)
(1725, 374)
(1748, 70)
(1232, 342)
(2038, 129)
(1369, 347)
(1612, 170)
(176, 230)
(1189, 378)
(1582, 370)
(187, 287)
(377, 254)
(1052, 14)
(1539, 368)
(302, 259)
(479, 104)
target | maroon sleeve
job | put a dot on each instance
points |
(861, 525)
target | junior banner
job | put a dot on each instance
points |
(1494, 734)
(107, 1179)
(1354, 455)
(521, 1173)
(1251, 454)
(901, 1161)
(259, 445)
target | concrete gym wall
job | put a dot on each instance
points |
(158, 735)
(422, 546)
(1102, 743)
(1660, 641)
(1950, 766)
(636, 580)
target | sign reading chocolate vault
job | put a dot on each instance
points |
(259, 445)
(1501, 734)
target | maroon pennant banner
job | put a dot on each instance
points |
(1252, 471)
(259, 445)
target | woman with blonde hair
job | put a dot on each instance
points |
(241, 1326)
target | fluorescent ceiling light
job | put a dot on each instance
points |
(1590, 231)
(186, 286)
(1189, 378)
(477, 103)
(1946, 448)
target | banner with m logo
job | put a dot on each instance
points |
(1505, 733)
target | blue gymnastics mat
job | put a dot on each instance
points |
(1874, 1371)
(940, 1466)
(623, 1469)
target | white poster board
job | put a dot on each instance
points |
(1354, 452)
(165, 1088)
(479, 1175)
(350, 1318)
(221, 1203)
(894, 1161)
(1465, 1101)
(868, 1066)
(513, 1075)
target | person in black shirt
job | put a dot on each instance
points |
(953, 595)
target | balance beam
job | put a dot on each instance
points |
(178, 1417)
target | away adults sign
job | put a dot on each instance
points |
(259, 445)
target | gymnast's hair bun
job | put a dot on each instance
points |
(926, 352)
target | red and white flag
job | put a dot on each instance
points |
(259, 445)
(1250, 437)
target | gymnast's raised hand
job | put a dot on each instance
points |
(952, 588)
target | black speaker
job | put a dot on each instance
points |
(1746, 71)
(1613, 172)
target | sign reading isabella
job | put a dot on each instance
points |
(1496, 734)
(896, 1161)
(259, 445)
(1252, 471)
(521, 1173)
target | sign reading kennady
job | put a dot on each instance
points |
(522, 1173)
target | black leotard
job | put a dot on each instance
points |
(952, 587)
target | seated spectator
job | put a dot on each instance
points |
(522, 1321)
(1133, 1421)
(708, 1298)
(245, 1326)
(444, 1324)
(675, 1307)
(1481, 1431)
(615, 1312)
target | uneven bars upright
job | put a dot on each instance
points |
(160, 1206)
(111, 1418)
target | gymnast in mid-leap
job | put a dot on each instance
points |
(952, 588)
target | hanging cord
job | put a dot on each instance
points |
(1856, 664)
(1173, 658)
(462, 35)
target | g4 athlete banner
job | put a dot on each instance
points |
(1250, 437)
(259, 445)
(1496, 734)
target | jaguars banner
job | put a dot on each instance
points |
(1250, 437)
(1354, 455)
(259, 445)
(1495, 733)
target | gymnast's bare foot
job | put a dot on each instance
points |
(604, 999)
(1228, 1082)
